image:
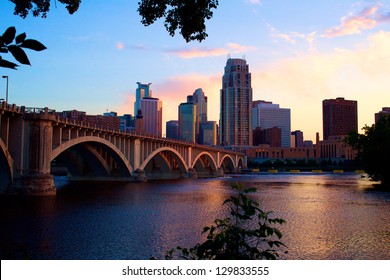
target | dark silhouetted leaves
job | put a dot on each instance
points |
(8, 36)
(7, 64)
(41, 7)
(20, 38)
(187, 16)
(19, 54)
(16, 49)
(373, 149)
(33, 45)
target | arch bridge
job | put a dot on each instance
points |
(35, 143)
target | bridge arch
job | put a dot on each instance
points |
(240, 163)
(6, 167)
(166, 159)
(86, 147)
(227, 163)
(207, 165)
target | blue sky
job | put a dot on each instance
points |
(299, 53)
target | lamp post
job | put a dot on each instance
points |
(6, 92)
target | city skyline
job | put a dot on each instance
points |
(336, 49)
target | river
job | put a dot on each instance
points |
(329, 216)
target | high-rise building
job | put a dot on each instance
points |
(269, 136)
(208, 133)
(268, 115)
(200, 100)
(385, 111)
(151, 109)
(187, 122)
(236, 104)
(143, 91)
(339, 117)
(139, 122)
(127, 123)
(296, 139)
(172, 129)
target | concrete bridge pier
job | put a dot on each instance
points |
(219, 172)
(38, 184)
(192, 173)
(139, 175)
(34, 176)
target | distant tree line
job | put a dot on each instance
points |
(373, 149)
(303, 164)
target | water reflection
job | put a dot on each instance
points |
(329, 216)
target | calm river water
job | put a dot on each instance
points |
(329, 216)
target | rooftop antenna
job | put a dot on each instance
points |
(244, 57)
(228, 56)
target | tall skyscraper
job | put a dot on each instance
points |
(200, 100)
(151, 109)
(339, 117)
(143, 91)
(267, 115)
(208, 133)
(172, 129)
(187, 122)
(236, 104)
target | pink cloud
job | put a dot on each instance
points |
(368, 18)
(293, 37)
(198, 52)
(237, 48)
(120, 46)
(208, 52)
(174, 90)
(351, 26)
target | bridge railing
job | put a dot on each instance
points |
(103, 129)
(35, 110)
(10, 107)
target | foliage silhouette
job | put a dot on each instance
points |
(247, 234)
(7, 45)
(186, 16)
(373, 149)
(41, 7)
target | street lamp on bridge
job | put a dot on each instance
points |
(6, 92)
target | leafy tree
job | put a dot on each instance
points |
(247, 233)
(41, 7)
(187, 16)
(10, 43)
(373, 149)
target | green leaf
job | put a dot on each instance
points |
(20, 38)
(7, 64)
(19, 54)
(9, 35)
(278, 233)
(33, 45)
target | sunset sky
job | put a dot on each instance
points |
(299, 53)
